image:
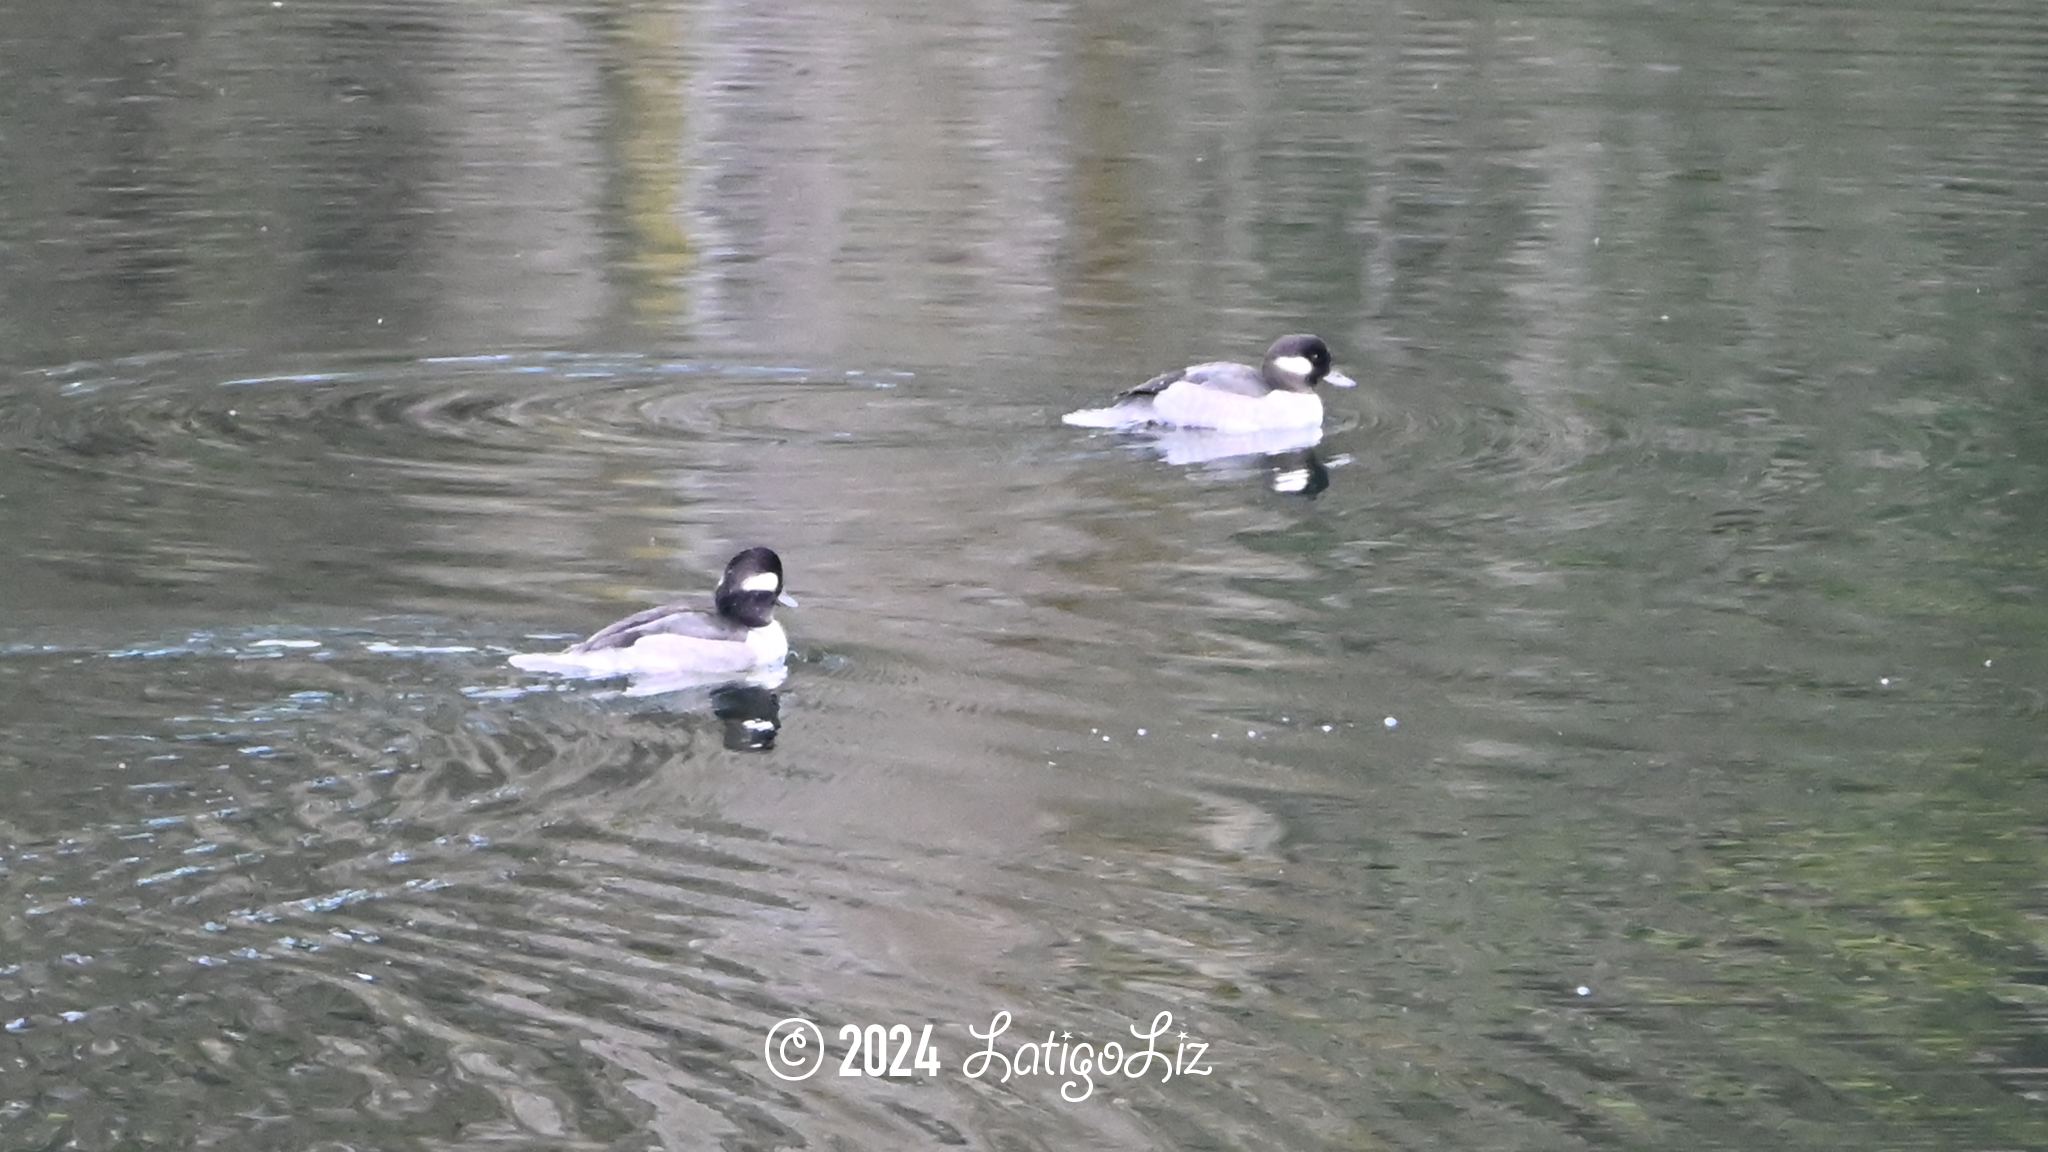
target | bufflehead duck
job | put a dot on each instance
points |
(1229, 397)
(738, 635)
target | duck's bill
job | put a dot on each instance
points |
(1340, 380)
(786, 600)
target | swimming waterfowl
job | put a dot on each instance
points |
(1227, 396)
(739, 634)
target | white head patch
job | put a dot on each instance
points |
(762, 582)
(1294, 365)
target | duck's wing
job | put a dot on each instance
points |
(670, 619)
(1135, 407)
(1224, 376)
(1157, 384)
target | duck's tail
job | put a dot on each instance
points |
(1126, 413)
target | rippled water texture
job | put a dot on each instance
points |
(1623, 729)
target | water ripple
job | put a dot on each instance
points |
(172, 420)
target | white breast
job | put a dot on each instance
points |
(769, 645)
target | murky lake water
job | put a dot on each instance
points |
(1638, 743)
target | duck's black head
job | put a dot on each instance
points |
(1299, 362)
(749, 588)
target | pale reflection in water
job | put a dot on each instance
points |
(1286, 459)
